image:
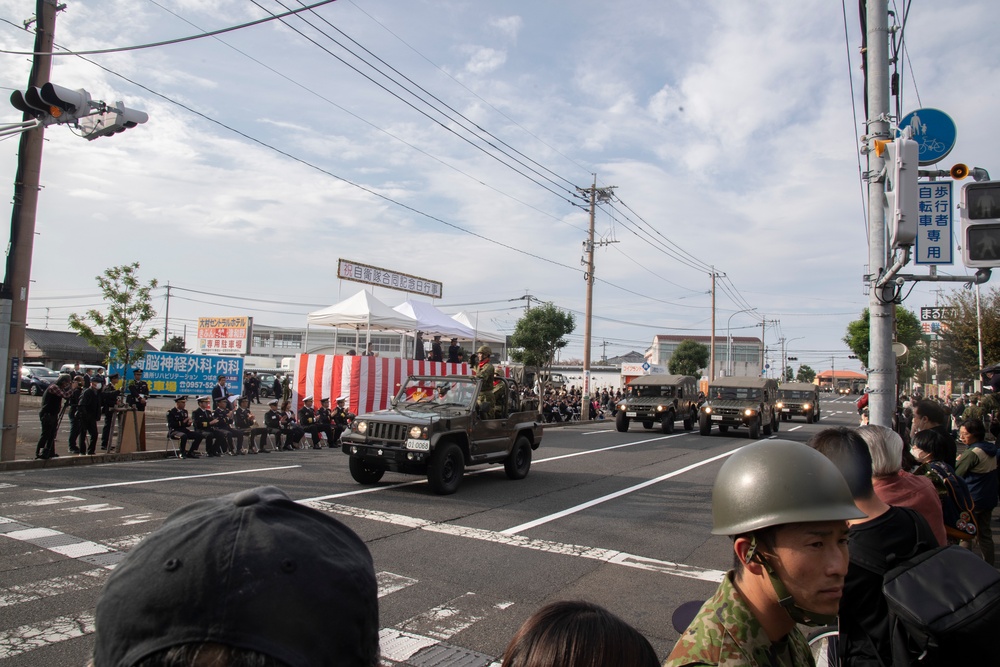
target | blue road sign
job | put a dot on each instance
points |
(934, 131)
(645, 365)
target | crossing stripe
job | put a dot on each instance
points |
(30, 637)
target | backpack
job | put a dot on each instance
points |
(956, 504)
(944, 606)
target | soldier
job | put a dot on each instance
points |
(52, 403)
(179, 427)
(437, 354)
(204, 425)
(88, 414)
(324, 422)
(110, 398)
(454, 352)
(307, 420)
(138, 391)
(245, 420)
(341, 418)
(786, 507)
(224, 427)
(485, 372)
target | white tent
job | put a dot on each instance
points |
(361, 311)
(430, 320)
(484, 335)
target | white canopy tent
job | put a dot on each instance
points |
(361, 311)
(481, 335)
(432, 321)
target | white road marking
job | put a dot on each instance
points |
(447, 620)
(38, 590)
(611, 496)
(45, 502)
(125, 542)
(30, 637)
(169, 479)
(101, 507)
(400, 646)
(795, 428)
(390, 583)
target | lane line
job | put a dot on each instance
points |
(30, 637)
(611, 496)
(795, 428)
(167, 479)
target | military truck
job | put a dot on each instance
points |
(798, 398)
(740, 401)
(437, 426)
(659, 400)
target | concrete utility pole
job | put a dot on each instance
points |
(711, 354)
(596, 194)
(14, 295)
(881, 359)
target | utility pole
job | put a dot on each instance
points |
(166, 315)
(596, 194)
(14, 295)
(882, 374)
(711, 354)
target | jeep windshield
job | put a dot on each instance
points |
(654, 390)
(436, 392)
(734, 393)
(794, 394)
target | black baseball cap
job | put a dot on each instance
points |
(253, 570)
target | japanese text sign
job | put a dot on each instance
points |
(373, 275)
(172, 373)
(934, 223)
(224, 335)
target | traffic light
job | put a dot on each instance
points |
(902, 200)
(115, 119)
(793, 358)
(51, 104)
(980, 211)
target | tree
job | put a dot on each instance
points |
(174, 344)
(805, 374)
(788, 375)
(539, 333)
(908, 332)
(959, 335)
(689, 358)
(129, 309)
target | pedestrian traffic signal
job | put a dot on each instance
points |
(902, 200)
(51, 104)
(980, 212)
(113, 120)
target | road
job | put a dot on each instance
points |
(620, 519)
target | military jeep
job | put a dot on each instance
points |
(437, 426)
(659, 400)
(740, 401)
(798, 398)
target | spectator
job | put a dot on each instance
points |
(419, 354)
(929, 414)
(577, 634)
(51, 414)
(276, 387)
(88, 414)
(978, 467)
(864, 613)
(369, 352)
(290, 427)
(252, 578)
(898, 487)
(786, 508)
(110, 399)
(953, 492)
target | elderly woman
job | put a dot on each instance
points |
(895, 486)
(929, 448)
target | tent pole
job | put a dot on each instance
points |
(305, 342)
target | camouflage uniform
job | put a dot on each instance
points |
(485, 372)
(726, 633)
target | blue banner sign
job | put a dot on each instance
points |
(935, 223)
(174, 373)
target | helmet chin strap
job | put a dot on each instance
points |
(785, 599)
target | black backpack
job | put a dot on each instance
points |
(944, 606)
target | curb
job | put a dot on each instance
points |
(71, 460)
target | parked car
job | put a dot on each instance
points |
(36, 379)
(84, 368)
(266, 384)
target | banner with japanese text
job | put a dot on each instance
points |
(173, 373)
(224, 335)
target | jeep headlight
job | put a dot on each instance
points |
(806, 406)
(362, 427)
(749, 412)
(418, 432)
(659, 408)
(779, 404)
(622, 407)
(707, 409)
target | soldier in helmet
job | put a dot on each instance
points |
(786, 508)
(484, 371)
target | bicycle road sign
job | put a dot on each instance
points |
(934, 131)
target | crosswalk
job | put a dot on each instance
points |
(422, 639)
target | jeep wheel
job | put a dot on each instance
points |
(704, 425)
(445, 470)
(621, 422)
(690, 420)
(755, 429)
(648, 424)
(667, 422)
(809, 418)
(518, 462)
(365, 473)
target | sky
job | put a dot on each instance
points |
(729, 131)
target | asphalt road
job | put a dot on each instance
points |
(620, 519)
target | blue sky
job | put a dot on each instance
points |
(728, 129)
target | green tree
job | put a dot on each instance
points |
(788, 375)
(174, 344)
(539, 333)
(123, 326)
(959, 335)
(689, 358)
(908, 332)
(805, 374)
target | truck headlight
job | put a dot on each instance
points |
(749, 412)
(707, 409)
(779, 404)
(806, 406)
(659, 408)
(417, 432)
(362, 427)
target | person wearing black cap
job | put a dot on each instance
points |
(249, 578)
(204, 425)
(272, 422)
(179, 428)
(454, 352)
(307, 421)
(138, 391)
(437, 354)
(50, 415)
(245, 420)
(88, 414)
(224, 428)
(110, 398)
(324, 422)
(341, 418)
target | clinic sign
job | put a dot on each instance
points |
(374, 275)
(173, 373)
(935, 223)
(224, 335)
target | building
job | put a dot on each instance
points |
(746, 353)
(55, 348)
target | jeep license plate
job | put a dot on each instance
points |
(717, 418)
(630, 414)
(786, 409)
(422, 445)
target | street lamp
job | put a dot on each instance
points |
(729, 340)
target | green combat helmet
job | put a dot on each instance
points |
(484, 351)
(776, 482)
